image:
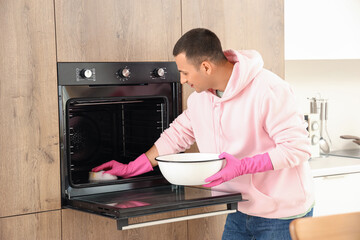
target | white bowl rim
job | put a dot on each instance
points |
(187, 161)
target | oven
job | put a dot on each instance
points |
(116, 111)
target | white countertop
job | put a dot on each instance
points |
(333, 165)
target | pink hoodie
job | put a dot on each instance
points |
(256, 114)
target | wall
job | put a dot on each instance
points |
(322, 29)
(322, 54)
(337, 80)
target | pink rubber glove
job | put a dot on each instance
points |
(138, 166)
(235, 167)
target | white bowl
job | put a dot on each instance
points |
(189, 168)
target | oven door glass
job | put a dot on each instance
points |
(103, 129)
(133, 203)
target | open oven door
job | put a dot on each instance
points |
(123, 205)
(105, 115)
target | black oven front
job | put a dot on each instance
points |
(116, 111)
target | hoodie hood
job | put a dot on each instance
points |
(247, 64)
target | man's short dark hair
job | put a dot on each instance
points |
(198, 45)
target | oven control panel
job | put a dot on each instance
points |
(159, 72)
(124, 73)
(116, 73)
(85, 74)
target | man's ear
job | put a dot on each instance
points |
(206, 67)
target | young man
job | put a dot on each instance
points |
(248, 114)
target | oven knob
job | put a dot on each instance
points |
(86, 73)
(159, 72)
(124, 72)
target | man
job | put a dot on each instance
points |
(248, 114)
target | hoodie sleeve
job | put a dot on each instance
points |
(286, 126)
(178, 137)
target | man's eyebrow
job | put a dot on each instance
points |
(181, 71)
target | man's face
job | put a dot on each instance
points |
(196, 77)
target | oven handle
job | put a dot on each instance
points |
(122, 225)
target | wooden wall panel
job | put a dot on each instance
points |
(242, 24)
(80, 225)
(39, 226)
(117, 30)
(210, 228)
(29, 151)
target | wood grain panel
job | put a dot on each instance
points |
(80, 225)
(29, 151)
(210, 228)
(205, 228)
(117, 30)
(39, 226)
(242, 24)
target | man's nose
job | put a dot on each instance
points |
(183, 80)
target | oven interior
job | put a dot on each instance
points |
(104, 129)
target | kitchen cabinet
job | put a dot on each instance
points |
(80, 225)
(336, 194)
(36, 226)
(206, 228)
(242, 25)
(116, 30)
(29, 151)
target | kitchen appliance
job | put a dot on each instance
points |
(117, 110)
(318, 131)
(313, 128)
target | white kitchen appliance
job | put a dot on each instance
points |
(318, 132)
(313, 120)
